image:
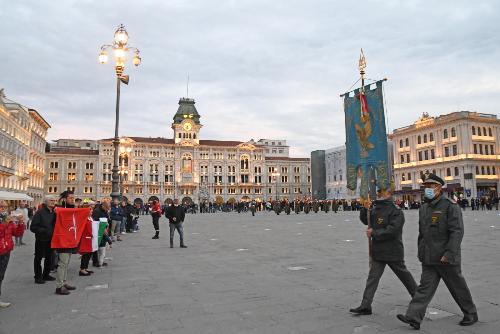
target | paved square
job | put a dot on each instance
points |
(243, 274)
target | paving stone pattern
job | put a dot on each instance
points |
(243, 274)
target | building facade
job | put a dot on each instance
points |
(460, 147)
(36, 158)
(22, 145)
(183, 166)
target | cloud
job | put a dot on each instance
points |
(258, 69)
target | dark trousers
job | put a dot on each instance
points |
(431, 276)
(156, 219)
(376, 271)
(84, 262)
(129, 226)
(42, 250)
(179, 229)
(4, 261)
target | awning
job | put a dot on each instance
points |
(12, 196)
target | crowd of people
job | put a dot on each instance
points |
(112, 218)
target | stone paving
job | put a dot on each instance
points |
(243, 274)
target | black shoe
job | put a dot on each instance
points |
(83, 273)
(49, 278)
(184, 246)
(69, 287)
(39, 281)
(469, 320)
(97, 265)
(410, 322)
(171, 245)
(361, 310)
(62, 291)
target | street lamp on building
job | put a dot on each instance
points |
(120, 50)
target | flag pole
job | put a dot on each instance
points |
(362, 67)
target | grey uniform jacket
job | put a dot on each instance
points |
(441, 230)
(387, 222)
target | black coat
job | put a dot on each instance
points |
(177, 212)
(387, 222)
(99, 212)
(43, 224)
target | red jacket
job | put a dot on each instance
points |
(7, 231)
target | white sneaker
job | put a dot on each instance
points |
(124, 233)
(4, 305)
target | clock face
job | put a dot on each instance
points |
(187, 126)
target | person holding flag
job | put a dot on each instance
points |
(386, 246)
(68, 230)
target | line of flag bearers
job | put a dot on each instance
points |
(441, 231)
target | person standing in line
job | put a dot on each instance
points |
(441, 230)
(175, 215)
(116, 216)
(8, 228)
(42, 226)
(387, 248)
(156, 214)
(67, 199)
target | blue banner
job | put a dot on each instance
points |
(366, 139)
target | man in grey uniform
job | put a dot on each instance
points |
(441, 230)
(385, 232)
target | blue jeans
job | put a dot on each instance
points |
(123, 224)
(179, 229)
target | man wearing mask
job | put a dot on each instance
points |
(385, 232)
(441, 230)
(175, 215)
(42, 225)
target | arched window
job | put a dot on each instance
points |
(194, 135)
(478, 131)
(403, 177)
(477, 170)
(488, 170)
(431, 136)
(425, 138)
(484, 132)
(473, 130)
(453, 133)
(187, 163)
(448, 172)
(494, 170)
(419, 140)
(123, 160)
(401, 143)
(456, 171)
(409, 177)
(244, 162)
(445, 133)
(407, 142)
(490, 133)
(482, 170)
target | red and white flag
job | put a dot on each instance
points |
(70, 224)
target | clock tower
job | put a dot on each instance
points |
(186, 123)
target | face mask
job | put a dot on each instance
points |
(429, 193)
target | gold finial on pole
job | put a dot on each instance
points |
(361, 67)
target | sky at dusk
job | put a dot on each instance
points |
(258, 69)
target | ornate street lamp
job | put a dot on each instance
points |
(120, 51)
